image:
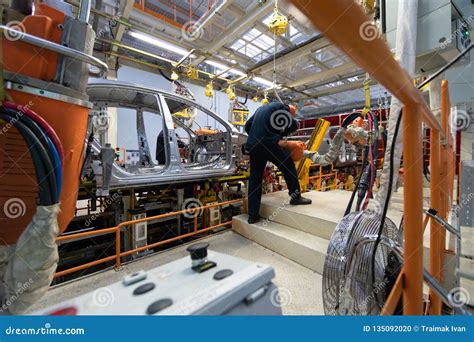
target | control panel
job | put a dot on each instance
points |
(206, 283)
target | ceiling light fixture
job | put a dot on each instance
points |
(225, 67)
(263, 81)
(160, 43)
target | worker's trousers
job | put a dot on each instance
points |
(281, 158)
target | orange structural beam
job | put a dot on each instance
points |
(435, 228)
(347, 26)
(413, 213)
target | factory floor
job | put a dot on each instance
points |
(300, 286)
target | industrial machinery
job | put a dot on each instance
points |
(213, 152)
(208, 283)
(352, 284)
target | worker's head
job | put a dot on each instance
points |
(292, 110)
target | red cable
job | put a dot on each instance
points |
(41, 122)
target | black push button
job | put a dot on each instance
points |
(143, 289)
(198, 250)
(219, 275)
(158, 306)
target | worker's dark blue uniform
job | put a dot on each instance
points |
(265, 128)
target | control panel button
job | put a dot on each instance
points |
(159, 305)
(142, 289)
(219, 275)
(134, 278)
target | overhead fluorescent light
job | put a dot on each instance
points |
(160, 43)
(225, 67)
(263, 81)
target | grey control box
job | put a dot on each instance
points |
(219, 285)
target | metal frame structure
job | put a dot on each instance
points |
(120, 227)
(340, 21)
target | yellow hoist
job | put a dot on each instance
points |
(278, 22)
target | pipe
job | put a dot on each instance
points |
(84, 11)
(435, 229)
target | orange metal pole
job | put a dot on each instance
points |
(117, 249)
(413, 203)
(350, 29)
(435, 228)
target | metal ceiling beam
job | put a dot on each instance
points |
(236, 29)
(335, 90)
(344, 68)
(291, 54)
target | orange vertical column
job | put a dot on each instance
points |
(435, 228)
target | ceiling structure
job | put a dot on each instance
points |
(229, 39)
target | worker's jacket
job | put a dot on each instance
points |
(269, 124)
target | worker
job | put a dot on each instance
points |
(266, 129)
(160, 147)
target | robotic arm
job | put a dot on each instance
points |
(333, 152)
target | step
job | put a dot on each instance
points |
(320, 218)
(305, 249)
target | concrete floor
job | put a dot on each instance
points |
(301, 287)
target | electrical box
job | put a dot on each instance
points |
(443, 30)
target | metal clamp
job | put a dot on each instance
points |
(63, 50)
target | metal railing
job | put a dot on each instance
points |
(117, 229)
(341, 22)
